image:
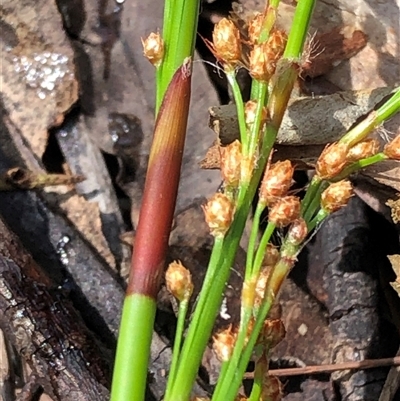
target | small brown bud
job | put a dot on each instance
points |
(223, 343)
(272, 389)
(231, 157)
(255, 25)
(332, 160)
(273, 332)
(219, 213)
(392, 149)
(336, 196)
(276, 182)
(285, 211)
(179, 281)
(298, 232)
(153, 48)
(362, 150)
(226, 41)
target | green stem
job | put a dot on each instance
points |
(133, 353)
(179, 34)
(315, 202)
(310, 193)
(360, 164)
(182, 312)
(263, 245)
(256, 126)
(252, 240)
(373, 120)
(231, 76)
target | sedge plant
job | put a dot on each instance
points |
(274, 61)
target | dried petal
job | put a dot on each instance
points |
(336, 196)
(153, 48)
(219, 213)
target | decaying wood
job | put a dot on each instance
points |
(46, 330)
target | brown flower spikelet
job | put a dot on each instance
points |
(392, 149)
(179, 281)
(153, 48)
(255, 25)
(284, 211)
(227, 44)
(336, 196)
(362, 150)
(276, 182)
(218, 214)
(231, 157)
(298, 232)
(332, 160)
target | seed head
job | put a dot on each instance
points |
(392, 149)
(332, 160)
(218, 214)
(153, 48)
(231, 157)
(276, 182)
(297, 232)
(362, 150)
(226, 40)
(223, 343)
(284, 211)
(179, 281)
(336, 196)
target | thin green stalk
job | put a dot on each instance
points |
(180, 327)
(252, 241)
(313, 206)
(373, 120)
(133, 352)
(237, 95)
(360, 164)
(318, 219)
(263, 245)
(310, 193)
(256, 126)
